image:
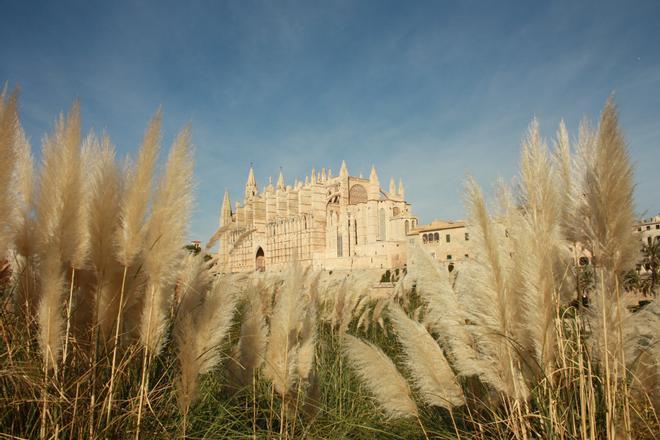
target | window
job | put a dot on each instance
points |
(448, 257)
(407, 226)
(657, 226)
(648, 228)
(639, 229)
(382, 225)
(467, 236)
(436, 237)
(340, 250)
(355, 228)
(448, 238)
(467, 256)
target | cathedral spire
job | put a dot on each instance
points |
(250, 185)
(323, 175)
(373, 177)
(343, 172)
(280, 181)
(392, 187)
(313, 176)
(401, 190)
(329, 173)
(225, 211)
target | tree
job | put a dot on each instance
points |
(651, 262)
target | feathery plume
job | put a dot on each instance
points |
(8, 136)
(607, 189)
(105, 190)
(307, 350)
(445, 315)
(24, 175)
(217, 235)
(51, 321)
(131, 235)
(381, 377)
(253, 338)
(280, 363)
(433, 377)
(491, 304)
(198, 334)
(539, 246)
(164, 237)
(74, 237)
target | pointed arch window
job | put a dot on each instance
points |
(382, 225)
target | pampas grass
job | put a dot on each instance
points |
(200, 327)
(253, 338)
(9, 131)
(380, 376)
(166, 230)
(505, 352)
(281, 354)
(492, 304)
(131, 235)
(430, 371)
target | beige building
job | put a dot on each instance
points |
(649, 229)
(327, 222)
(446, 241)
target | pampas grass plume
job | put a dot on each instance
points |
(434, 379)
(380, 376)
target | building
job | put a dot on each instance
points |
(649, 229)
(446, 241)
(327, 222)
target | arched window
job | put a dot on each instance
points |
(340, 251)
(425, 238)
(436, 237)
(357, 194)
(407, 226)
(382, 225)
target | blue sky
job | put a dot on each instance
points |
(425, 91)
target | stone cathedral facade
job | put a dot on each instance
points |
(327, 222)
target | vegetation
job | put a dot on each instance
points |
(111, 328)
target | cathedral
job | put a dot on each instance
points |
(326, 222)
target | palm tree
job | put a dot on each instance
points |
(651, 262)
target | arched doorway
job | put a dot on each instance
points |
(260, 261)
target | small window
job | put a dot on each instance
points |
(467, 236)
(648, 228)
(448, 257)
(436, 237)
(639, 229)
(448, 238)
(425, 238)
(450, 268)
(657, 226)
(584, 261)
(467, 256)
